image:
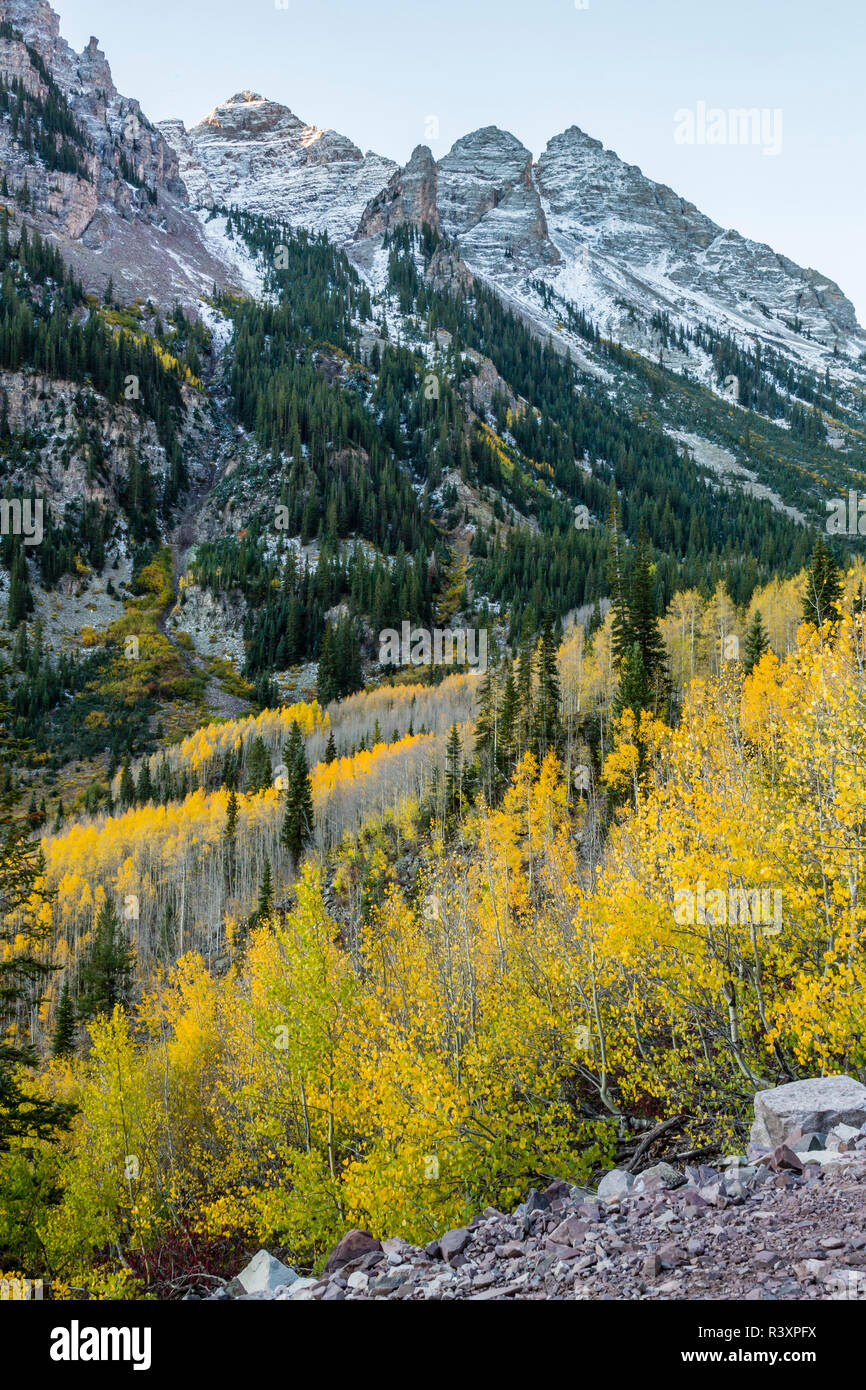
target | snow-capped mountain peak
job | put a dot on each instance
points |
(259, 155)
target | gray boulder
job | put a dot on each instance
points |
(814, 1105)
(453, 1243)
(660, 1175)
(615, 1184)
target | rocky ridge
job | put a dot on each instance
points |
(606, 238)
(610, 241)
(580, 221)
(781, 1223)
(126, 215)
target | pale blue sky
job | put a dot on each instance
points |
(377, 69)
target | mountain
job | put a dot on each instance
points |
(106, 185)
(436, 782)
(611, 242)
(257, 155)
(580, 222)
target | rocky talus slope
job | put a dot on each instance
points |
(786, 1221)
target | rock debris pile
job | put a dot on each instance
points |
(785, 1221)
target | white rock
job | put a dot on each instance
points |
(845, 1131)
(264, 1274)
(299, 1288)
(826, 1158)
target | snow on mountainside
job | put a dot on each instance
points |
(579, 222)
(604, 213)
(606, 238)
(257, 154)
(611, 241)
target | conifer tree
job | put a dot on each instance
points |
(548, 728)
(126, 794)
(297, 826)
(230, 830)
(65, 1027)
(20, 601)
(106, 976)
(508, 724)
(144, 788)
(823, 593)
(634, 690)
(328, 679)
(757, 642)
(644, 626)
(331, 748)
(487, 736)
(265, 904)
(525, 699)
(229, 774)
(453, 772)
(259, 771)
(348, 651)
(622, 633)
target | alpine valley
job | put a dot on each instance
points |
(412, 579)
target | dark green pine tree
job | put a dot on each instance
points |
(230, 831)
(348, 649)
(259, 771)
(65, 1024)
(548, 728)
(525, 720)
(823, 593)
(644, 626)
(126, 794)
(298, 822)
(144, 788)
(231, 825)
(757, 642)
(106, 976)
(265, 904)
(20, 601)
(453, 772)
(487, 736)
(328, 677)
(634, 691)
(508, 726)
(622, 633)
(229, 774)
(331, 748)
